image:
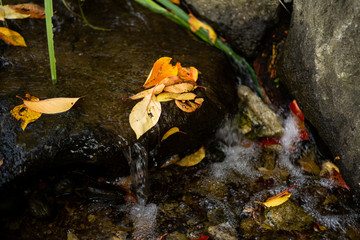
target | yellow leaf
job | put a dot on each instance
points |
(170, 132)
(278, 199)
(144, 115)
(195, 26)
(161, 69)
(154, 90)
(190, 74)
(171, 80)
(180, 87)
(30, 9)
(164, 97)
(12, 37)
(26, 115)
(192, 159)
(189, 106)
(51, 105)
(6, 12)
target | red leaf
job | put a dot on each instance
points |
(296, 110)
(202, 238)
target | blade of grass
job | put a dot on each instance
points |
(88, 23)
(50, 38)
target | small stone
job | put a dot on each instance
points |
(223, 231)
(72, 236)
(176, 236)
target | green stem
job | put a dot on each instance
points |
(88, 23)
(50, 38)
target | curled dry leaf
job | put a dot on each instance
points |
(331, 171)
(180, 87)
(278, 199)
(164, 97)
(195, 26)
(12, 37)
(154, 90)
(144, 115)
(51, 105)
(170, 132)
(190, 74)
(25, 114)
(161, 69)
(31, 9)
(6, 12)
(192, 159)
(189, 106)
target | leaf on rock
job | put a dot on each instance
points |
(161, 69)
(165, 97)
(154, 90)
(12, 37)
(192, 159)
(300, 120)
(144, 115)
(333, 174)
(25, 114)
(189, 106)
(278, 199)
(195, 26)
(51, 105)
(202, 238)
(171, 80)
(6, 12)
(180, 87)
(170, 132)
(190, 74)
(30, 9)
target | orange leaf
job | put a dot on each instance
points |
(296, 110)
(180, 87)
(278, 199)
(334, 174)
(161, 69)
(8, 13)
(12, 37)
(177, 2)
(154, 90)
(171, 80)
(195, 26)
(51, 105)
(189, 106)
(190, 74)
(34, 10)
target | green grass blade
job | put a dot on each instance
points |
(50, 38)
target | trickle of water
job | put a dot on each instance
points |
(137, 158)
(144, 218)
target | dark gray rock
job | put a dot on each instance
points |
(242, 23)
(105, 67)
(320, 66)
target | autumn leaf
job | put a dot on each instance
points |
(31, 9)
(332, 171)
(190, 74)
(192, 159)
(195, 26)
(164, 97)
(6, 12)
(202, 238)
(171, 80)
(154, 90)
(300, 120)
(172, 160)
(161, 69)
(177, 2)
(25, 114)
(278, 199)
(189, 106)
(1, 161)
(51, 105)
(170, 132)
(144, 115)
(180, 87)
(12, 37)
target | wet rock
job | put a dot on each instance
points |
(223, 231)
(256, 118)
(242, 23)
(288, 216)
(206, 186)
(176, 236)
(41, 205)
(320, 67)
(104, 66)
(71, 236)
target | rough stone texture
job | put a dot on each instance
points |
(241, 22)
(260, 120)
(223, 231)
(105, 67)
(320, 66)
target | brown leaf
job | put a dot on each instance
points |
(8, 13)
(31, 9)
(51, 105)
(180, 87)
(161, 69)
(189, 106)
(171, 80)
(12, 37)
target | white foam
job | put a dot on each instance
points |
(144, 219)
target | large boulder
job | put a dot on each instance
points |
(104, 67)
(320, 66)
(243, 23)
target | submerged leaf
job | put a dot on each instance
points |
(195, 26)
(12, 37)
(51, 105)
(192, 159)
(31, 9)
(278, 199)
(144, 115)
(6, 12)
(161, 69)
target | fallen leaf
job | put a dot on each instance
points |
(161, 69)
(300, 120)
(171, 80)
(192, 159)
(154, 90)
(332, 171)
(1, 162)
(170, 132)
(12, 37)
(25, 114)
(196, 25)
(51, 105)
(189, 106)
(161, 237)
(144, 115)
(180, 87)
(164, 97)
(190, 74)
(278, 199)
(8, 13)
(177, 2)
(202, 238)
(31, 9)
(296, 110)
